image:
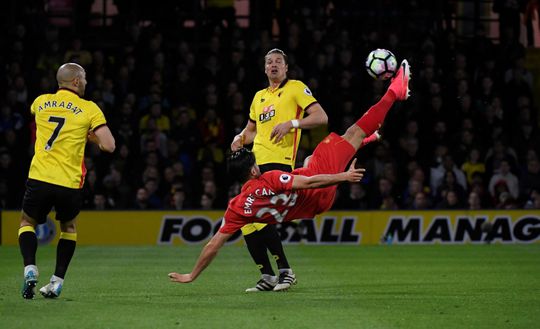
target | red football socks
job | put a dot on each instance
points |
(371, 138)
(374, 117)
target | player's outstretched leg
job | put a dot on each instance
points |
(372, 120)
(400, 82)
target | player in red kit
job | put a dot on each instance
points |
(277, 196)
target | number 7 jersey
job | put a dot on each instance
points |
(63, 120)
(270, 199)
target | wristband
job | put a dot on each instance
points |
(295, 123)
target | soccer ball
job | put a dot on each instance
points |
(381, 64)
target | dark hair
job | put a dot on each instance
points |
(239, 164)
(277, 51)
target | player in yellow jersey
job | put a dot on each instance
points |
(64, 122)
(276, 117)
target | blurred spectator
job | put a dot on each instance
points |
(530, 178)
(154, 139)
(496, 154)
(141, 200)
(474, 202)
(533, 201)
(100, 203)
(450, 184)
(356, 198)
(207, 202)
(76, 54)
(10, 120)
(178, 200)
(438, 173)
(153, 198)
(162, 122)
(211, 128)
(473, 165)
(505, 201)
(421, 201)
(504, 177)
(450, 201)
(384, 196)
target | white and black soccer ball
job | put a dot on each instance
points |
(381, 64)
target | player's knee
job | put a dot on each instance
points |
(354, 133)
(27, 220)
(68, 227)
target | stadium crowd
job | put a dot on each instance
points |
(174, 97)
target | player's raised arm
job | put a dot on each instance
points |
(352, 175)
(208, 253)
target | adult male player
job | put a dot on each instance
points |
(278, 196)
(64, 122)
(277, 116)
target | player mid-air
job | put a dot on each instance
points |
(277, 196)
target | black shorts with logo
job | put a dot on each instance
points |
(40, 197)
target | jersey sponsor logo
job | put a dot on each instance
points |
(307, 91)
(466, 229)
(284, 178)
(190, 230)
(267, 114)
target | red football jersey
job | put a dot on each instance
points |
(270, 199)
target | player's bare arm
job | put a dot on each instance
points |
(208, 254)
(307, 182)
(102, 137)
(315, 116)
(245, 137)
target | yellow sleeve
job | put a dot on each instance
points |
(96, 116)
(303, 95)
(252, 115)
(33, 106)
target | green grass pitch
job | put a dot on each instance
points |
(465, 286)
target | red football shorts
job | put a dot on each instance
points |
(331, 156)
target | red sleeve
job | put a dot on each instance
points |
(229, 226)
(279, 181)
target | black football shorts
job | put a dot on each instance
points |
(274, 166)
(40, 197)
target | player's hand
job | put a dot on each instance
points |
(280, 131)
(180, 278)
(354, 174)
(237, 143)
